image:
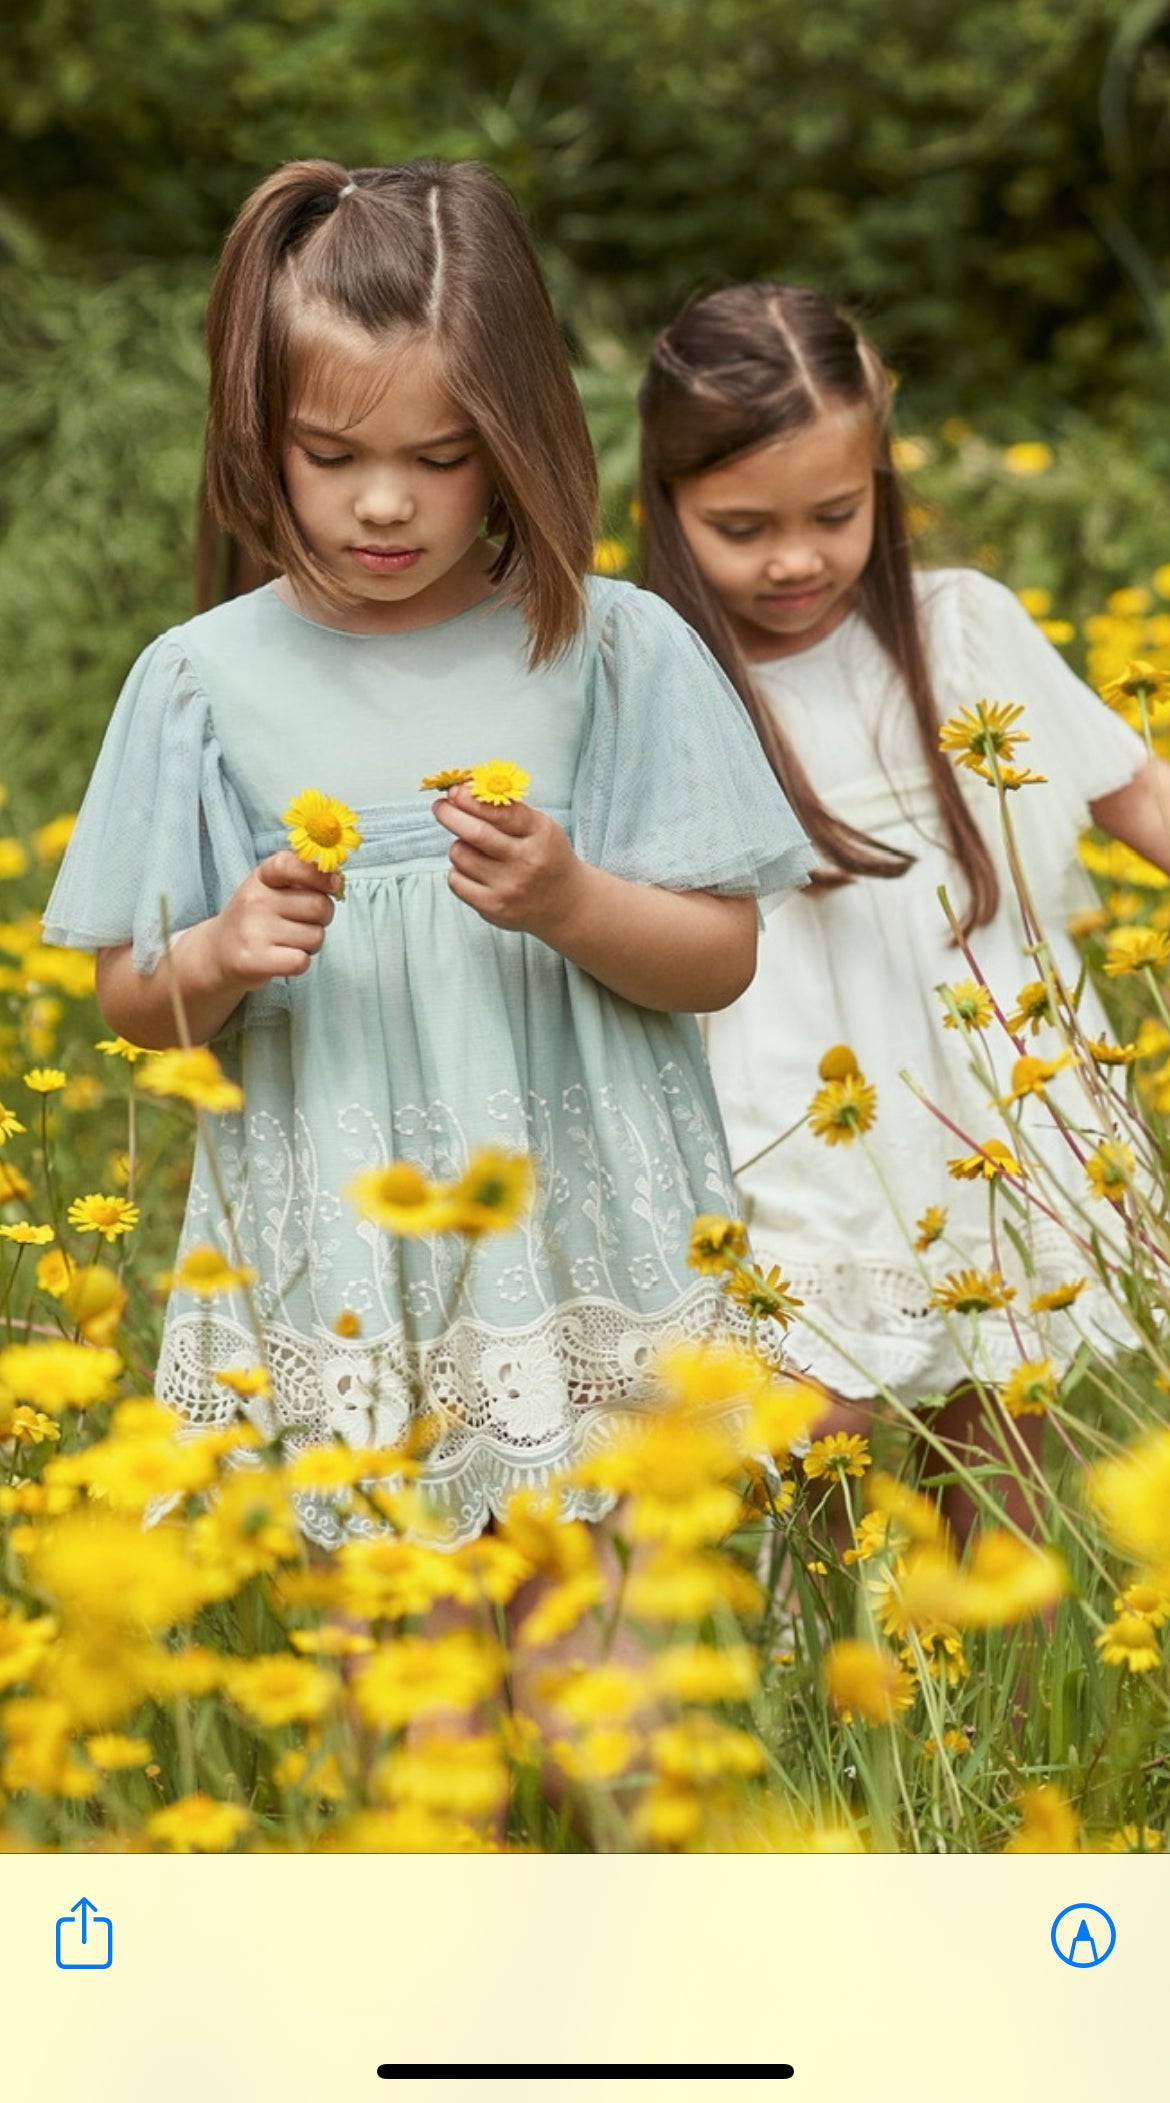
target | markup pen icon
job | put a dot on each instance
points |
(85, 1939)
(1083, 1936)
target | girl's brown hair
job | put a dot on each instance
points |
(437, 248)
(739, 368)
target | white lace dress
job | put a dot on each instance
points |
(860, 965)
(421, 1032)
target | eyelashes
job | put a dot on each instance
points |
(440, 467)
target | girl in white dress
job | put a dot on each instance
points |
(773, 523)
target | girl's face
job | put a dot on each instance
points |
(392, 503)
(783, 535)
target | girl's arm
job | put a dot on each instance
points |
(271, 927)
(1139, 813)
(685, 952)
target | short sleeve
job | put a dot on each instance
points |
(1085, 750)
(161, 841)
(672, 787)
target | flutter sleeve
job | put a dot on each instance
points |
(161, 841)
(672, 787)
(1085, 750)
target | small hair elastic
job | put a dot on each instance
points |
(345, 193)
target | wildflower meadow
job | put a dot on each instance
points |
(785, 1648)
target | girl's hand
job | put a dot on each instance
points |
(514, 865)
(274, 924)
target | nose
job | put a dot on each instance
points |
(793, 562)
(384, 499)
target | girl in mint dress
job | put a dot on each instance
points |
(393, 426)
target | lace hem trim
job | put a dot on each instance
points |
(513, 1408)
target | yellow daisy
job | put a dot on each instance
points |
(993, 1160)
(1060, 1297)
(1110, 1170)
(971, 1292)
(9, 1124)
(968, 1005)
(930, 1226)
(494, 1191)
(446, 778)
(842, 1109)
(45, 1080)
(499, 781)
(1030, 1388)
(974, 736)
(716, 1242)
(841, 1453)
(194, 1076)
(1135, 949)
(22, 1230)
(320, 829)
(98, 1214)
(1130, 1641)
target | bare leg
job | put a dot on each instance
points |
(963, 1422)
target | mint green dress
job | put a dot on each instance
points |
(421, 1032)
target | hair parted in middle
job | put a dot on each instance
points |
(740, 368)
(312, 281)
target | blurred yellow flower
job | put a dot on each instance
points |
(245, 1381)
(31, 1428)
(493, 1193)
(112, 1751)
(913, 1513)
(1109, 1169)
(599, 1755)
(1130, 1641)
(609, 557)
(347, 1323)
(13, 1186)
(700, 1749)
(23, 1231)
(716, 1242)
(58, 1375)
(1059, 632)
(50, 841)
(320, 829)
(45, 1080)
(198, 1825)
(1058, 1298)
(1030, 457)
(862, 1679)
(1030, 1388)
(279, 1689)
(1134, 1840)
(13, 858)
(671, 1587)
(400, 1198)
(706, 1672)
(968, 1005)
(1030, 1076)
(993, 1160)
(1049, 1825)
(1134, 949)
(841, 1110)
(95, 1298)
(1033, 1008)
(122, 1048)
(194, 1076)
(446, 778)
(1105, 1054)
(204, 1271)
(465, 1777)
(98, 1214)
(415, 1677)
(1035, 600)
(9, 1124)
(1003, 1580)
(1152, 1602)
(838, 1063)
(499, 781)
(930, 1226)
(1129, 600)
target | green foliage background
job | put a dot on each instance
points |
(988, 186)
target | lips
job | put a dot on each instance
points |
(385, 560)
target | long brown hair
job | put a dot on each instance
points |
(437, 248)
(739, 368)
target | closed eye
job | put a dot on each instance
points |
(443, 467)
(326, 459)
(837, 518)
